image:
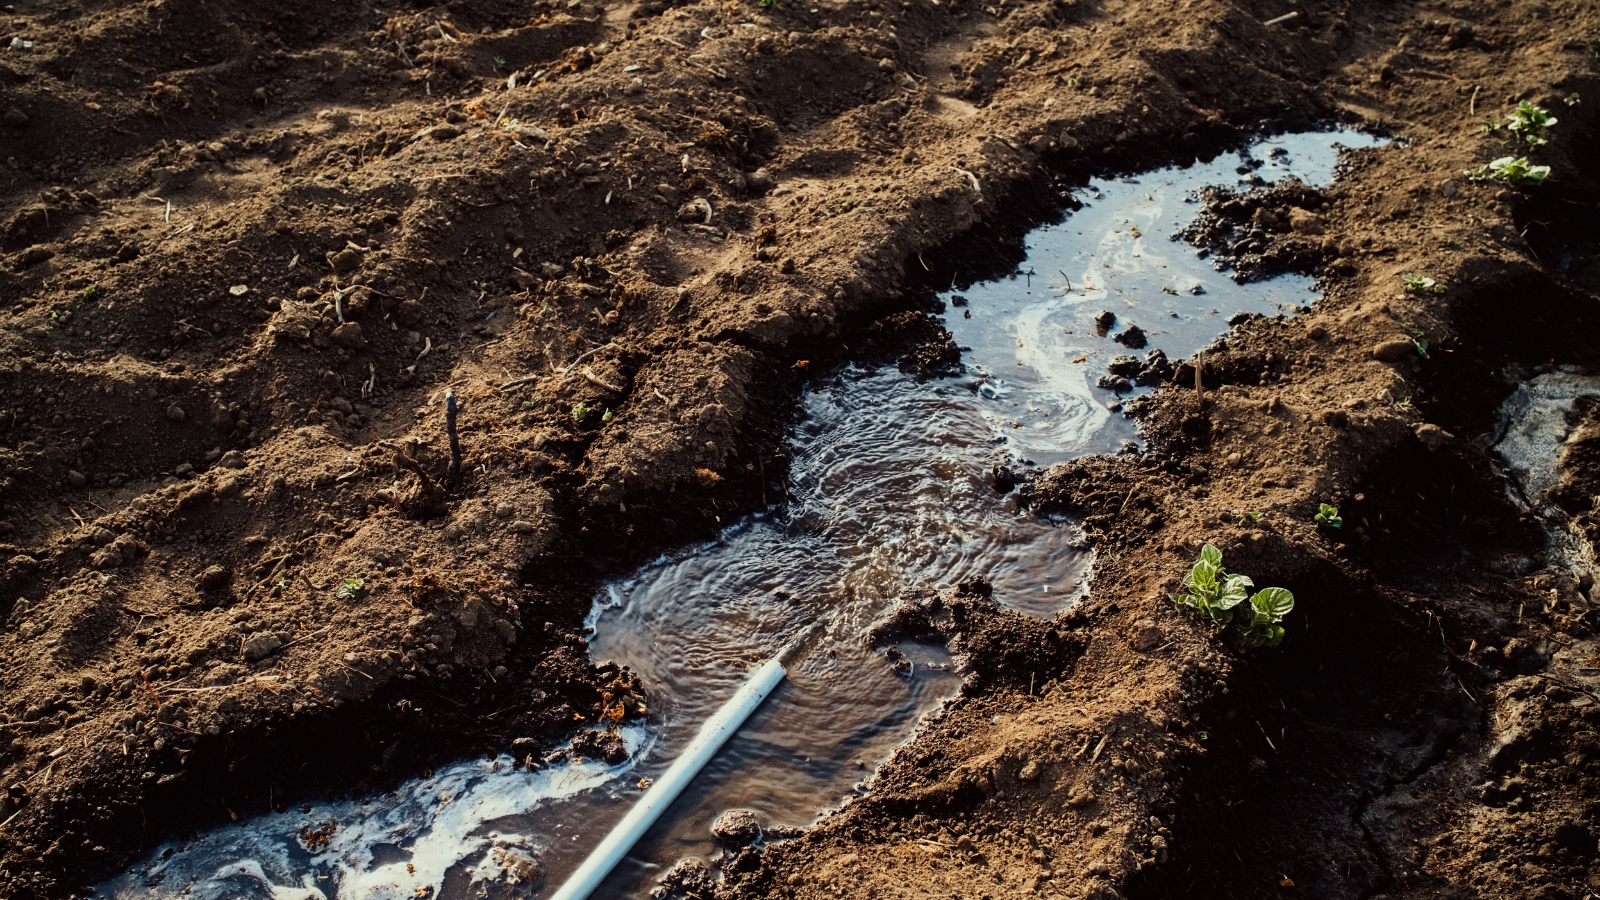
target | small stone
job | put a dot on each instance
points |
(1432, 435)
(1039, 144)
(239, 290)
(76, 478)
(176, 413)
(1133, 338)
(349, 336)
(408, 313)
(1303, 221)
(184, 470)
(1125, 365)
(212, 578)
(445, 132)
(1105, 318)
(504, 510)
(1029, 771)
(345, 261)
(886, 65)
(1393, 349)
(760, 180)
(1449, 190)
(214, 730)
(1234, 459)
(1146, 636)
(737, 827)
(261, 645)
(233, 459)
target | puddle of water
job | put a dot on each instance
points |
(1034, 338)
(889, 490)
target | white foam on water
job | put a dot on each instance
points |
(427, 828)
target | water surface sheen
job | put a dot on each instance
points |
(889, 490)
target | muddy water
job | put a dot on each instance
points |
(890, 490)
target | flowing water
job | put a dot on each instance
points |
(889, 490)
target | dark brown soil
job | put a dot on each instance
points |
(247, 249)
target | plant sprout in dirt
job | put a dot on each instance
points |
(1225, 600)
(1511, 171)
(1328, 516)
(1421, 284)
(350, 588)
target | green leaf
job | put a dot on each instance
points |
(1210, 554)
(1275, 602)
(1234, 591)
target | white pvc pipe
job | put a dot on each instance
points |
(666, 789)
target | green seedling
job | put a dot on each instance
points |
(1328, 516)
(1421, 284)
(1226, 600)
(768, 4)
(350, 587)
(90, 292)
(1211, 592)
(1490, 126)
(1260, 624)
(1529, 122)
(1422, 348)
(608, 416)
(1571, 99)
(1510, 170)
(1248, 518)
(582, 411)
(499, 63)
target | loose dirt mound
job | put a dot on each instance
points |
(249, 249)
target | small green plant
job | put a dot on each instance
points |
(607, 417)
(1421, 284)
(768, 4)
(1072, 81)
(1510, 170)
(1247, 517)
(582, 411)
(1572, 99)
(1261, 624)
(1328, 516)
(1213, 593)
(499, 63)
(1529, 122)
(90, 292)
(350, 587)
(1422, 348)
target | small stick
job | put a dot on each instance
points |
(1199, 386)
(1472, 106)
(454, 472)
(146, 679)
(1283, 18)
(1264, 734)
(1098, 747)
(589, 375)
